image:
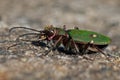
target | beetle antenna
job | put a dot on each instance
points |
(24, 28)
(18, 38)
(26, 35)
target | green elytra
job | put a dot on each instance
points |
(85, 36)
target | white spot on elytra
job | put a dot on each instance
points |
(94, 35)
(91, 41)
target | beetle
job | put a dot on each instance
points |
(82, 40)
(78, 40)
(72, 39)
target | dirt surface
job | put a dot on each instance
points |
(23, 62)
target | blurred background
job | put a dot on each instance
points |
(97, 15)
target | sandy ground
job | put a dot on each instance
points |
(23, 62)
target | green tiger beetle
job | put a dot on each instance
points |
(80, 41)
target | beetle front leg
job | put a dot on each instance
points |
(57, 43)
(106, 55)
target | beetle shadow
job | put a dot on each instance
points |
(67, 52)
(59, 49)
(38, 43)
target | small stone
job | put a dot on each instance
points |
(46, 48)
(23, 59)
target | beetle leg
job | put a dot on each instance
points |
(57, 43)
(67, 45)
(76, 47)
(106, 55)
(85, 48)
(99, 50)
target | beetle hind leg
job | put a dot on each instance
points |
(99, 50)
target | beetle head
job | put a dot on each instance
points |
(49, 28)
